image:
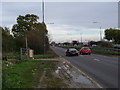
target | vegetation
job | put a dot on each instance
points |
(27, 27)
(105, 52)
(25, 23)
(102, 44)
(27, 74)
(36, 41)
(113, 34)
(8, 41)
(11, 55)
(36, 33)
(49, 54)
(53, 82)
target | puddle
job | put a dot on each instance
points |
(82, 79)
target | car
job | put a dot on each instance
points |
(85, 50)
(72, 51)
(94, 45)
(117, 46)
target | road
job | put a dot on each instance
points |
(103, 69)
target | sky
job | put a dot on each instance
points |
(66, 21)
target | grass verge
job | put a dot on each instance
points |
(11, 55)
(49, 54)
(105, 52)
(26, 74)
(50, 81)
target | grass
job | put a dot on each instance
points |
(52, 82)
(44, 56)
(22, 74)
(11, 55)
(49, 54)
(107, 52)
(26, 74)
(0, 74)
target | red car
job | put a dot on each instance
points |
(85, 50)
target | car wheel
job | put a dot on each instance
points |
(67, 54)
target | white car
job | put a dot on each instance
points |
(94, 45)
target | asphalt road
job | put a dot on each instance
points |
(103, 69)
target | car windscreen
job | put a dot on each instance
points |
(72, 50)
(86, 48)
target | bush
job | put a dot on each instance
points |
(105, 44)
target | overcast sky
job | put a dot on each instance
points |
(71, 19)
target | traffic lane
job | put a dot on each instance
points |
(104, 73)
(101, 61)
(105, 59)
(108, 60)
(88, 60)
(59, 51)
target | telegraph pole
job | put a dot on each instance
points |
(43, 11)
(100, 35)
(43, 26)
(26, 42)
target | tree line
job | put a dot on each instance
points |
(113, 34)
(110, 34)
(29, 27)
(26, 27)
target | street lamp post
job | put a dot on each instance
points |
(100, 31)
(100, 35)
(43, 10)
(43, 26)
(81, 37)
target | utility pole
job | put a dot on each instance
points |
(26, 42)
(43, 11)
(43, 26)
(26, 47)
(81, 37)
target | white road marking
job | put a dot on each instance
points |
(96, 59)
(60, 56)
(81, 55)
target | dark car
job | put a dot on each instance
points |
(85, 50)
(117, 46)
(72, 51)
